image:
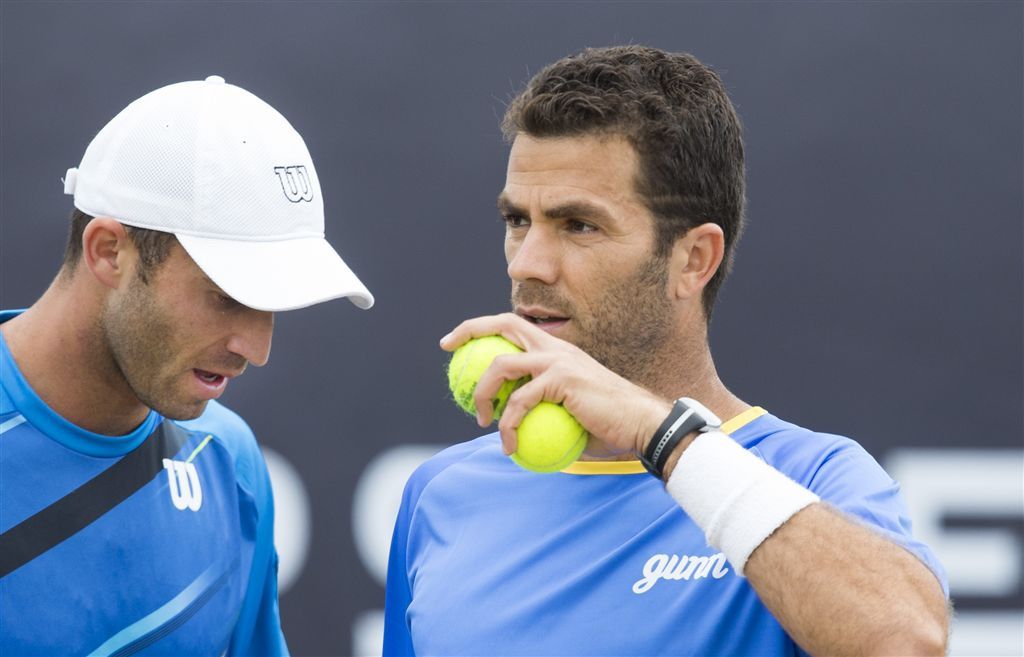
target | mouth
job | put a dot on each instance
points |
(211, 384)
(547, 320)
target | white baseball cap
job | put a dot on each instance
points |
(232, 179)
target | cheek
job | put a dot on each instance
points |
(511, 248)
(185, 330)
(195, 338)
(609, 286)
(588, 282)
(197, 318)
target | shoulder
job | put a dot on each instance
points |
(809, 457)
(224, 424)
(235, 436)
(7, 367)
(437, 465)
(7, 406)
(843, 474)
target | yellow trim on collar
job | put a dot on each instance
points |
(605, 467)
(743, 419)
(636, 467)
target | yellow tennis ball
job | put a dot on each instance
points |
(550, 439)
(467, 366)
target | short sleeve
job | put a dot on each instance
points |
(845, 476)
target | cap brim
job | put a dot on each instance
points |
(277, 276)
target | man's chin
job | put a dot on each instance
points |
(183, 412)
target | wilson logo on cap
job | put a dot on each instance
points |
(295, 183)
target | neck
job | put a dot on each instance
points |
(58, 345)
(685, 368)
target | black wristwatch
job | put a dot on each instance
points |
(687, 415)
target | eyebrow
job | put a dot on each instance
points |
(569, 210)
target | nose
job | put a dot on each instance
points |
(251, 336)
(534, 256)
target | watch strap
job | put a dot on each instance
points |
(682, 420)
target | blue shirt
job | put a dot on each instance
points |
(156, 542)
(488, 559)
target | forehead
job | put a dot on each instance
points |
(593, 167)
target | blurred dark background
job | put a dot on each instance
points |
(877, 291)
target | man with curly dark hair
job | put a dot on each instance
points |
(623, 202)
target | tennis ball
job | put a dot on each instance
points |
(467, 366)
(550, 439)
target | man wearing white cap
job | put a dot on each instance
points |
(137, 512)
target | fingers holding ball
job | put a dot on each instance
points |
(549, 437)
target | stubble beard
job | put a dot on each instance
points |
(139, 337)
(630, 327)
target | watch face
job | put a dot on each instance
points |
(710, 419)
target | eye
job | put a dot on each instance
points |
(577, 226)
(223, 301)
(515, 221)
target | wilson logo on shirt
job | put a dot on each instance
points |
(183, 482)
(295, 183)
(677, 567)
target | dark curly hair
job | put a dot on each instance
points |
(675, 113)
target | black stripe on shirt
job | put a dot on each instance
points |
(81, 507)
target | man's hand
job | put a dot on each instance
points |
(619, 415)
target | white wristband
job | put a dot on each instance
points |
(735, 497)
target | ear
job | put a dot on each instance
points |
(107, 251)
(696, 256)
